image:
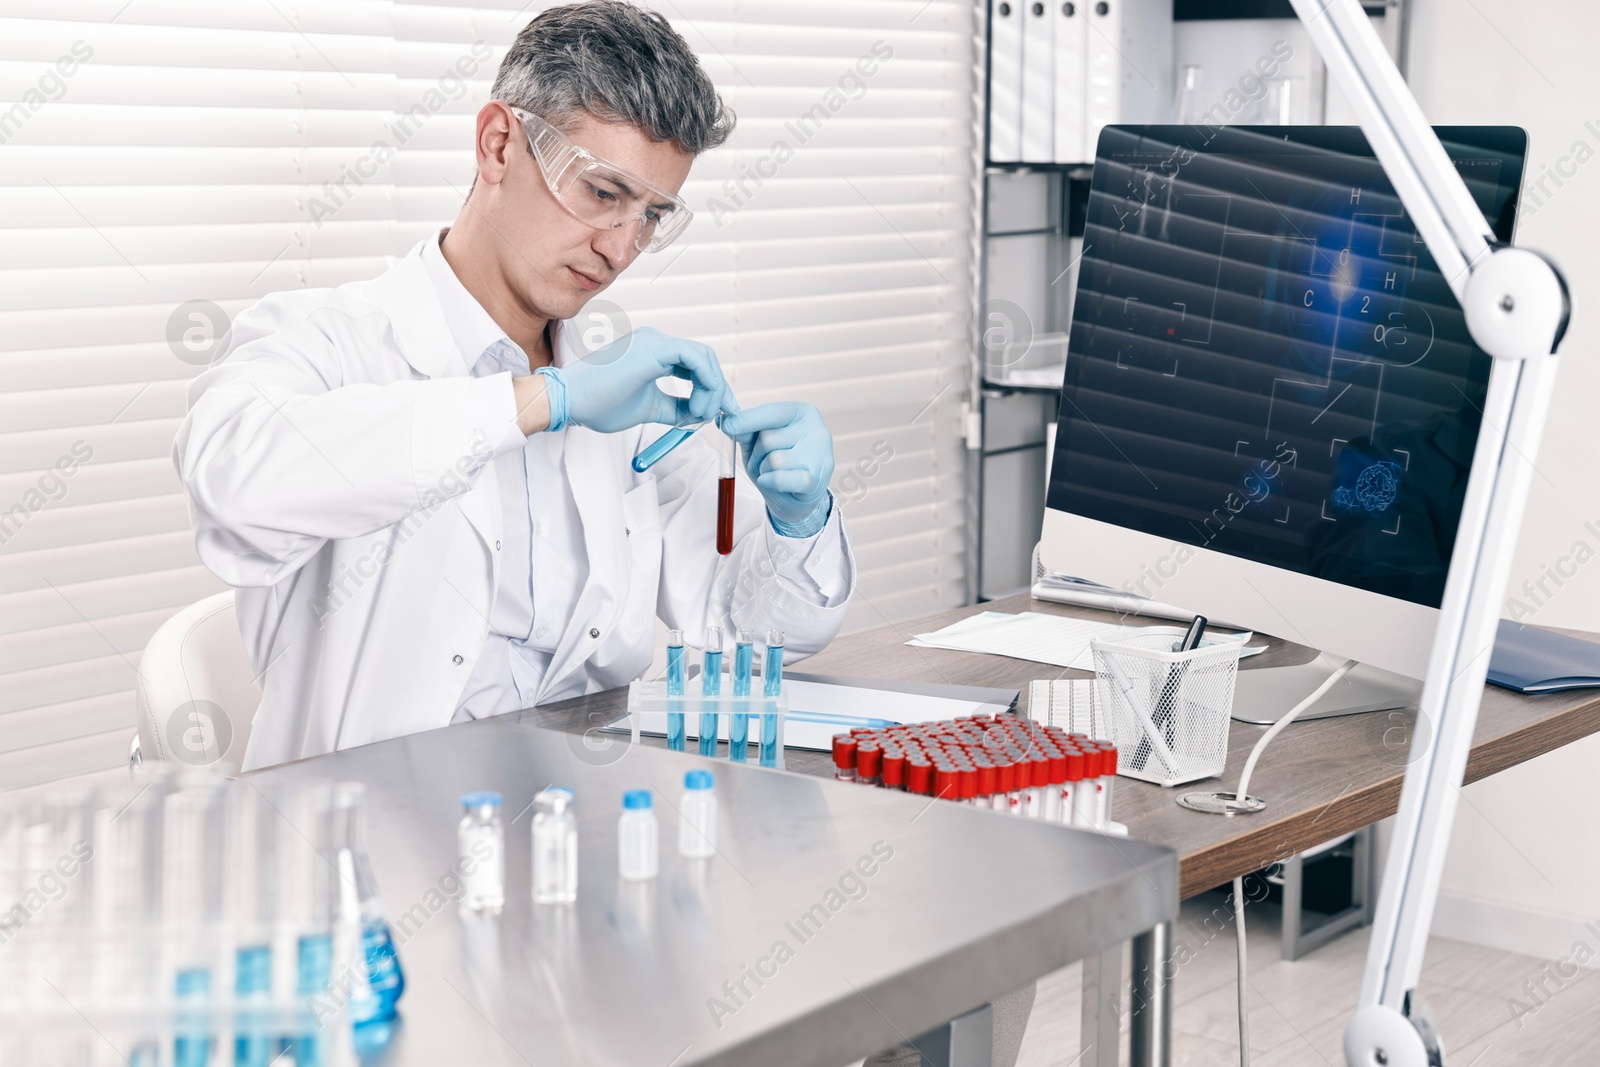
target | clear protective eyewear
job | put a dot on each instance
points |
(602, 194)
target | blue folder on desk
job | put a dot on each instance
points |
(1530, 659)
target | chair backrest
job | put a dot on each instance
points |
(197, 690)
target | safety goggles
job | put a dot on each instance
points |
(602, 194)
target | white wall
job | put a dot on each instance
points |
(1524, 872)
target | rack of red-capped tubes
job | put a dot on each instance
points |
(997, 763)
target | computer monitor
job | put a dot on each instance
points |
(1271, 397)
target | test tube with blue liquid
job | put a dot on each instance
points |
(772, 687)
(193, 891)
(744, 655)
(710, 688)
(675, 688)
(253, 844)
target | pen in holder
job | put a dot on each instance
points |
(1168, 710)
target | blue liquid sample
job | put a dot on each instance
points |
(675, 688)
(253, 1045)
(385, 980)
(652, 453)
(710, 686)
(744, 655)
(771, 687)
(192, 1045)
(313, 972)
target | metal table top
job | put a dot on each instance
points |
(836, 919)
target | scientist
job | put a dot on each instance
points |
(420, 484)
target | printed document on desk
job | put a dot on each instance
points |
(1032, 635)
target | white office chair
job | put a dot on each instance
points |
(197, 690)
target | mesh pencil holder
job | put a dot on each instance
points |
(1167, 712)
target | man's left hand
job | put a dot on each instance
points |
(788, 453)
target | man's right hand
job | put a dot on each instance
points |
(614, 388)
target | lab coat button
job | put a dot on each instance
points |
(456, 660)
(540, 632)
(497, 546)
(594, 632)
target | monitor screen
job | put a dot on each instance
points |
(1264, 359)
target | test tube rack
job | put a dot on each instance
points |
(650, 706)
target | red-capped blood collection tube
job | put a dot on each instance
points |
(894, 769)
(1075, 793)
(919, 776)
(844, 757)
(869, 762)
(1108, 776)
(1052, 788)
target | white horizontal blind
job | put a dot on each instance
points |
(173, 162)
(213, 152)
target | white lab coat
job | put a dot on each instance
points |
(340, 476)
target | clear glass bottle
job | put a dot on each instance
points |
(697, 816)
(480, 853)
(638, 837)
(555, 847)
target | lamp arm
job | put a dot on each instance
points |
(1516, 307)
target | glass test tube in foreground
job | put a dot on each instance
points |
(192, 900)
(253, 848)
(771, 687)
(710, 688)
(675, 688)
(744, 655)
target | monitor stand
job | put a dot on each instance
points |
(1266, 694)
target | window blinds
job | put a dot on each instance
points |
(165, 163)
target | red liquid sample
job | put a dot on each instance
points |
(724, 516)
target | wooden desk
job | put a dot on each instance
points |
(1321, 779)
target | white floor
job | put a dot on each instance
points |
(1298, 1010)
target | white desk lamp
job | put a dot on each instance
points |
(1516, 308)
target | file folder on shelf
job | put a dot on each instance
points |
(1070, 47)
(1005, 81)
(1038, 82)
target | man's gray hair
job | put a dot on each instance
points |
(620, 63)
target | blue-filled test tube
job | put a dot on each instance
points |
(675, 688)
(192, 1047)
(651, 454)
(253, 1045)
(710, 687)
(771, 686)
(744, 655)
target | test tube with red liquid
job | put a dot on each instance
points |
(725, 485)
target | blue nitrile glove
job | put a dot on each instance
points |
(788, 454)
(614, 388)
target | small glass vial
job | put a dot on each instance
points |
(638, 837)
(480, 853)
(555, 847)
(697, 816)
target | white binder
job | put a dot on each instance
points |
(1103, 105)
(1005, 81)
(1071, 52)
(1038, 82)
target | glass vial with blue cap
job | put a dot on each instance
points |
(697, 816)
(480, 853)
(555, 847)
(638, 837)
